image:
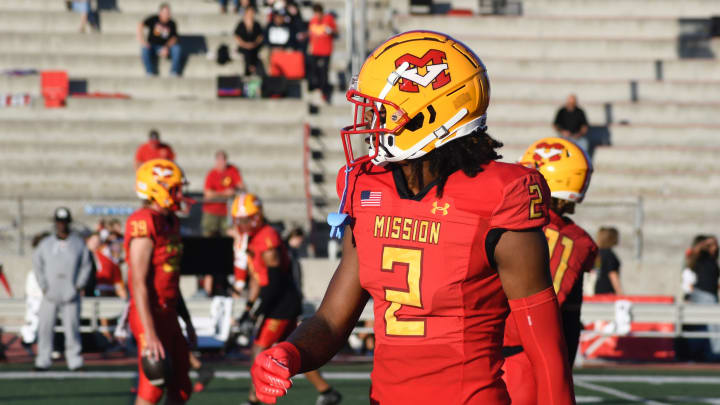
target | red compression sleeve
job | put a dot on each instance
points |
(540, 329)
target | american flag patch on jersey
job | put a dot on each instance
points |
(370, 198)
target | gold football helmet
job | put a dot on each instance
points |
(565, 166)
(160, 180)
(246, 212)
(416, 92)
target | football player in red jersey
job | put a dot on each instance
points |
(154, 249)
(567, 171)
(445, 239)
(274, 299)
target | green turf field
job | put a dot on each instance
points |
(647, 386)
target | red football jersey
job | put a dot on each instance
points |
(264, 239)
(164, 275)
(108, 272)
(427, 263)
(572, 251)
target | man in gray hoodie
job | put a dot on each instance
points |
(62, 266)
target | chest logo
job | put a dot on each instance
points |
(434, 71)
(436, 209)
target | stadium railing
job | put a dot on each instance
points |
(12, 315)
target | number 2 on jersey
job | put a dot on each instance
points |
(412, 258)
(552, 236)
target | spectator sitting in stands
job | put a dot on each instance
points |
(249, 37)
(298, 26)
(161, 40)
(84, 8)
(322, 30)
(571, 123)
(224, 8)
(279, 33)
(608, 280)
(152, 149)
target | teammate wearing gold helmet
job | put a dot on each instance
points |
(567, 171)
(444, 238)
(273, 298)
(154, 249)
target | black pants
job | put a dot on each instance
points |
(252, 59)
(318, 73)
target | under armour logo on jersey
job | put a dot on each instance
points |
(443, 209)
(434, 66)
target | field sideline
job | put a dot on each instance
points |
(111, 385)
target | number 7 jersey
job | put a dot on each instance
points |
(428, 264)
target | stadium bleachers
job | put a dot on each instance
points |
(624, 58)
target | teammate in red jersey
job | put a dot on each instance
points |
(445, 239)
(274, 299)
(154, 249)
(567, 171)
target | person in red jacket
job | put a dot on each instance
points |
(322, 30)
(445, 239)
(153, 149)
(572, 251)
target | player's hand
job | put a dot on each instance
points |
(154, 347)
(272, 370)
(164, 51)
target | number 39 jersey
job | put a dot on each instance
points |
(164, 273)
(427, 262)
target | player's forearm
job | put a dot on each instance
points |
(142, 306)
(306, 338)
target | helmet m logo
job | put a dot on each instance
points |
(547, 152)
(432, 63)
(162, 172)
(443, 209)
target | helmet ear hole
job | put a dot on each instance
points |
(415, 123)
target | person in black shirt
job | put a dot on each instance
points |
(249, 37)
(571, 123)
(278, 33)
(298, 26)
(608, 281)
(702, 259)
(161, 40)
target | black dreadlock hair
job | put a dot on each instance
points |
(468, 154)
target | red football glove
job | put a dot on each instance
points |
(272, 370)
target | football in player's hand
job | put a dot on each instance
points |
(157, 370)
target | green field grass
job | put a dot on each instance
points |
(594, 386)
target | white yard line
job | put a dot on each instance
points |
(617, 393)
(648, 379)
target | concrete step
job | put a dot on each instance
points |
(111, 134)
(84, 65)
(603, 69)
(218, 111)
(524, 133)
(135, 87)
(42, 185)
(621, 8)
(620, 27)
(580, 48)
(512, 110)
